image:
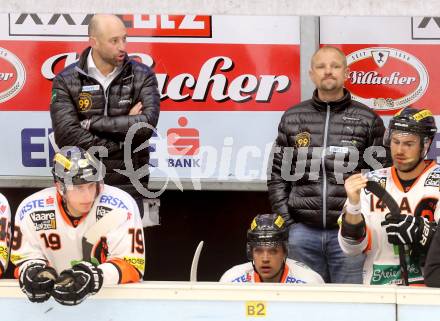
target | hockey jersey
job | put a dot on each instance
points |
(294, 273)
(382, 262)
(44, 232)
(5, 233)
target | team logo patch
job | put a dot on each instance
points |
(426, 208)
(303, 139)
(101, 211)
(44, 220)
(84, 102)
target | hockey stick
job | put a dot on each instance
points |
(195, 263)
(375, 188)
(107, 223)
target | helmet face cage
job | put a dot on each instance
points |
(267, 230)
(409, 120)
(74, 166)
(251, 245)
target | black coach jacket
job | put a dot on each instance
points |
(320, 142)
(84, 115)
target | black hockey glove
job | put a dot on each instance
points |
(74, 285)
(37, 281)
(407, 229)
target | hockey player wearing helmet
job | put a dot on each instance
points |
(266, 250)
(78, 179)
(367, 226)
(50, 226)
(410, 126)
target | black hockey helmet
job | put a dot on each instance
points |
(413, 121)
(75, 166)
(267, 230)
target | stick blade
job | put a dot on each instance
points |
(195, 262)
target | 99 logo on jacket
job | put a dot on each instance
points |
(302, 139)
(84, 102)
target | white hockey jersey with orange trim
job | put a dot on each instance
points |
(382, 262)
(5, 233)
(44, 232)
(294, 273)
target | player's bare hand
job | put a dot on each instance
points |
(353, 186)
(136, 109)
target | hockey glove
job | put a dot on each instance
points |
(407, 229)
(37, 281)
(74, 285)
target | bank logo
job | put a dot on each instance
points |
(182, 140)
(183, 144)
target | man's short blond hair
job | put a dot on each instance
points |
(329, 48)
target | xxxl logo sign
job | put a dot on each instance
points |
(138, 25)
(42, 24)
(425, 27)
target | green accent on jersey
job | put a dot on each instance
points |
(390, 274)
(53, 96)
(93, 260)
(396, 251)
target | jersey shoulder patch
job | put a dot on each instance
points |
(433, 178)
